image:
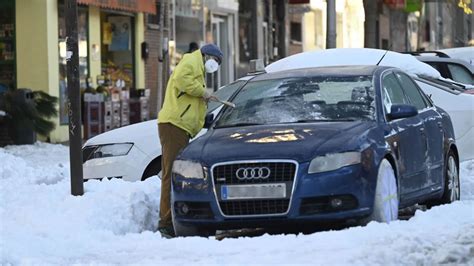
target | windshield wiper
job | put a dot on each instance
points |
(324, 120)
(239, 125)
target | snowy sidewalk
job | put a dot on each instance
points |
(113, 223)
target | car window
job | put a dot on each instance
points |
(302, 99)
(392, 92)
(224, 93)
(460, 74)
(412, 91)
(441, 67)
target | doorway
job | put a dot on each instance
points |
(222, 34)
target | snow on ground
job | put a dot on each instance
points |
(114, 222)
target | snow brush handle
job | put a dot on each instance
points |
(226, 103)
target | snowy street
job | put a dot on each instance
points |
(115, 222)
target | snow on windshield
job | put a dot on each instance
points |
(302, 99)
(354, 56)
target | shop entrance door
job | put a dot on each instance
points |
(222, 33)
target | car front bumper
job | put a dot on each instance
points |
(128, 167)
(309, 203)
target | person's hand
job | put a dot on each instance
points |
(209, 97)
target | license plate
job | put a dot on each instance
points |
(255, 191)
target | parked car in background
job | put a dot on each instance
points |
(457, 69)
(133, 152)
(463, 53)
(452, 97)
(316, 145)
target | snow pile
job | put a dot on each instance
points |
(352, 57)
(114, 223)
(38, 211)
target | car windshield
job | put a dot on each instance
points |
(224, 94)
(302, 99)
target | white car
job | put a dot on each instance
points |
(455, 64)
(451, 96)
(133, 152)
(463, 53)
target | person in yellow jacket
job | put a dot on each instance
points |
(182, 117)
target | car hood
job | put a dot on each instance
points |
(301, 142)
(136, 133)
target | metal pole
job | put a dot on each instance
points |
(331, 24)
(74, 99)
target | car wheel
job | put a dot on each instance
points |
(154, 168)
(452, 188)
(386, 195)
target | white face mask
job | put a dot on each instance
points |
(211, 66)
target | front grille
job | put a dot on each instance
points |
(280, 172)
(254, 207)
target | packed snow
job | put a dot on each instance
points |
(114, 222)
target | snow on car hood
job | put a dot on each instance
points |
(135, 133)
(354, 56)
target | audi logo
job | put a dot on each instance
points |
(253, 173)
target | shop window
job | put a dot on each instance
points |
(296, 32)
(7, 45)
(117, 62)
(82, 28)
(153, 20)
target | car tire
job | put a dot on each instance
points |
(452, 187)
(386, 200)
(154, 168)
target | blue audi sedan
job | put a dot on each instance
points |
(316, 145)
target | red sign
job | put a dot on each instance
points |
(146, 6)
(396, 4)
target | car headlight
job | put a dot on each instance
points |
(188, 169)
(111, 150)
(332, 162)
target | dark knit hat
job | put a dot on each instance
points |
(212, 49)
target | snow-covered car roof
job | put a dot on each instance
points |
(463, 53)
(354, 56)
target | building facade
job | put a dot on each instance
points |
(110, 32)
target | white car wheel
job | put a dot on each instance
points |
(386, 195)
(453, 179)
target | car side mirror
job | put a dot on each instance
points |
(208, 120)
(398, 111)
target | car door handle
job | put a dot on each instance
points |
(422, 130)
(440, 124)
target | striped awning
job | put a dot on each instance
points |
(146, 6)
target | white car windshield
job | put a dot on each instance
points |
(302, 99)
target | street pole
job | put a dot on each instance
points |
(74, 99)
(331, 24)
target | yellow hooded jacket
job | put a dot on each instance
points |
(184, 106)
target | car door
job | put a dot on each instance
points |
(433, 124)
(409, 141)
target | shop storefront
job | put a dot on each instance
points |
(110, 34)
